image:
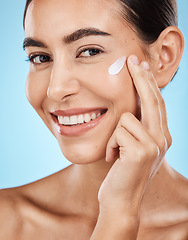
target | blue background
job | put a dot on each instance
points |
(28, 151)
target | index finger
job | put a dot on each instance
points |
(150, 105)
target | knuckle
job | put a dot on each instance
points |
(146, 154)
(163, 145)
(169, 141)
(162, 142)
(153, 150)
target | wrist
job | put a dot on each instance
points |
(115, 226)
(127, 220)
(120, 209)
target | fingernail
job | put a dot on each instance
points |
(146, 66)
(135, 60)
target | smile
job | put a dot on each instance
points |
(76, 121)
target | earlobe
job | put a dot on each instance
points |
(170, 46)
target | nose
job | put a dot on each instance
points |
(63, 84)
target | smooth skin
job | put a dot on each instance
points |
(120, 185)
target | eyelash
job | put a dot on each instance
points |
(33, 57)
(99, 51)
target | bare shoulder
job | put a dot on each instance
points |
(168, 215)
(23, 205)
(181, 194)
(10, 218)
(169, 218)
(178, 204)
(46, 193)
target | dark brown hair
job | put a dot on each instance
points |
(148, 17)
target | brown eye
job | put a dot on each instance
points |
(90, 52)
(38, 59)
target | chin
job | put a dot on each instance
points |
(84, 153)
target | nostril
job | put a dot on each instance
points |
(66, 96)
(62, 92)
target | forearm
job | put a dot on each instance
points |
(113, 227)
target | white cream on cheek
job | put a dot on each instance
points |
(117, 66)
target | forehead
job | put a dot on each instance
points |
(44, 15)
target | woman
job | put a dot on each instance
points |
(95, 74)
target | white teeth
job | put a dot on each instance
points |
(80, 119)
(87, 118)
(93, 116)
(66, 120)
(60, 118)
(73, 120)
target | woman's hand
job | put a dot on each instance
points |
(139, 145)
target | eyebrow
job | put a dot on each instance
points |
(75, 36)
(84, 32)
(30, 42)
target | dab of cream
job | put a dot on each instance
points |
(116, 67)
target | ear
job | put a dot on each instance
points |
(167, 52)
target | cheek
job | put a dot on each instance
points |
(36, 92)
(36, 89)
(118, 90)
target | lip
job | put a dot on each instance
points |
(79, 129)
(76, 111)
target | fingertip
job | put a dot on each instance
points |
(107, 160)
(145, 66)
(133, 59)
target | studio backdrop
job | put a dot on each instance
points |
(28, 151)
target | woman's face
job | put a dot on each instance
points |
(71, 45)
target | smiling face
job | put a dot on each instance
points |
(71, 45)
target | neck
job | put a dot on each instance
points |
(157, 197)
(88, 179)
(160, 182)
